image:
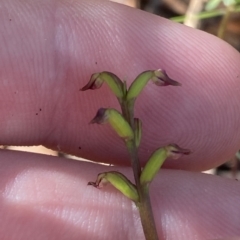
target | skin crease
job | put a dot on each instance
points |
(49, 49)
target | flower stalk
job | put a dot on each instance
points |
(129, 129)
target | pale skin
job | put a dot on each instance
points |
(48, 51)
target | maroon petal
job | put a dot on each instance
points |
(162, 79)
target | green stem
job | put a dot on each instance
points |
(128, 112)
(146, 214)
(223, 23)
(144, 205)
(135, 162)
(125, 111)
(207, 14)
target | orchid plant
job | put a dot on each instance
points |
(129, 129)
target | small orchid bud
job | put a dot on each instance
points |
(119, 181)
(116, 120)
(159, 77)
(137, 131)
(115, 84)
(157, 159)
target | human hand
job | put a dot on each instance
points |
(48, 51)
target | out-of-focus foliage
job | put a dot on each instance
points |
(213, 4)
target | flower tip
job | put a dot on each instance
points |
(84, 88)
(162, 79)
(92, 121)
(175, 83)
(92, 184)
(174, 151)
(100, 117)
(94, 83)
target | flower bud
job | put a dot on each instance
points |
(119, 181)
(116, 120)
(159, 77)
(157, 159)
(115, 84)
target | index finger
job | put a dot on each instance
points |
(49, 50)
